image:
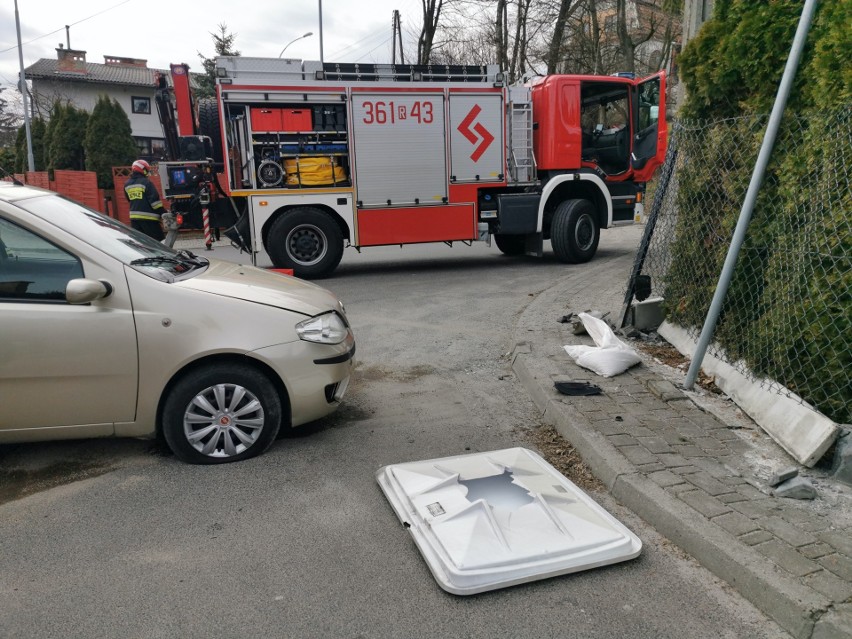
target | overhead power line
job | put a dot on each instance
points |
(94, 15)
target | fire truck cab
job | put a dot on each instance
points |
(318, 156)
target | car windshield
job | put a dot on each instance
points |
(114, 238)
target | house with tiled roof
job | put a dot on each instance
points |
(129, 80)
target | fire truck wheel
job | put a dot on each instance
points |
(306, 240)
(221, 413)
(510, 244)
(574, 232)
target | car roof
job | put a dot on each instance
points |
(10, 192)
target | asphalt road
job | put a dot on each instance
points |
(119, 539)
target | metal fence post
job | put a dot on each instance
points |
(753, 189)
(650, 224)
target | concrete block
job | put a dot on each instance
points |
(796, 488)
(666, 478)
(648, 314)
(782, 475)
(841, 466)
(835, 624)
(708, 484)
(790, 603)
(665, 390)
(839, 564)
(756, 537)
(736, 524)
(830, 585)
(787, 558)
(705, 504)
(799, 429)
(788, 532)
(840, 539)
(817, 550)
(655, 445)
(637, 455)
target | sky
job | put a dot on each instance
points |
(174, 31)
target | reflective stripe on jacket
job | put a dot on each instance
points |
(144, 199)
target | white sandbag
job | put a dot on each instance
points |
(610, 357)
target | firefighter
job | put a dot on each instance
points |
(146, 209)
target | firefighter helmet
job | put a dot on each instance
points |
(141, 166)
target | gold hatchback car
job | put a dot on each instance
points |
(105, 332)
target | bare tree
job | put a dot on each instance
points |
(431, 16)
(557, 36)
(566, 9)
(629, 39)
(501, 29)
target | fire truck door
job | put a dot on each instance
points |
(399, 141)
(476, 137)
(649, 126)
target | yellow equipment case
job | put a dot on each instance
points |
(316, 171)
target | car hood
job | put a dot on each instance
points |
(252, 284)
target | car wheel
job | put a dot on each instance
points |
(574, 232)
(510, 244)
(221, 413)
(306, 240)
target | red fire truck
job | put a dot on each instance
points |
(318, 156)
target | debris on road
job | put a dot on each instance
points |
(609, 357)
(577, 388)
(796, 488)
(782, 475)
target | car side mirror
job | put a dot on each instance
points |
(83, 291)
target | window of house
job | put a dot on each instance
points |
(151, 148)
(144, 146)
(140, 105)
(158, 148)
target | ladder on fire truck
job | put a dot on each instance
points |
(520, 157)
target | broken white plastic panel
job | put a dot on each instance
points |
(489, 520)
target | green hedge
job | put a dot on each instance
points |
(787, 313)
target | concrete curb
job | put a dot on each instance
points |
(795, 425)
(790, 604)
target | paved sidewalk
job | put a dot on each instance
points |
(698, 480)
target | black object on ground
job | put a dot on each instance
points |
(577, 388)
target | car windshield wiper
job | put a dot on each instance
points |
(157, 259)
(192, 257)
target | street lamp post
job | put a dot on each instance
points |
(309, 33)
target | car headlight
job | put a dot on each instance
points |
(323, 329)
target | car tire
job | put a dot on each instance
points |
(574, 232)
(306, 240)
(221, 413)
(510, 244)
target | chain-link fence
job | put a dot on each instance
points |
(787, 316)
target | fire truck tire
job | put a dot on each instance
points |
(221, 413)
(208, 124)
(510, 244)
(306, 240)
(574, 232)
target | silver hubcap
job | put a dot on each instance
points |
(306, 244)
(223, 420)
(584, 232)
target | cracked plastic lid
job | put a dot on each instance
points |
(489, 520)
